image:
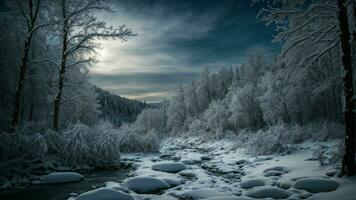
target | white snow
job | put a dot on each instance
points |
(104, 194)
(61, 177)
(170, 167)
(145, 184)
(346, 191)
(250, 183)
(229, 198)
(316, 185)
(229, 174)
(268, 192)
(201, 194)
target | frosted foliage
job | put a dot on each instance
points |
(216, 115)
(106, 146)
(54, 141)
(272, 137)
(131, 141)
(76, 149)
(245, 107)
(22, 146)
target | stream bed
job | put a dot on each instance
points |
(93, 179)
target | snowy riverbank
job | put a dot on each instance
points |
(186, 169)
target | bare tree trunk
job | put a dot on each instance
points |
(30, 117)
(57, 100)
(24, 62)
(348, 161)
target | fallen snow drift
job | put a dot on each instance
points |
(104, 194)
(268, 192)
(170, 167)
(251, 183)
(201, 194)
(61, 177)
(316, 185)
(229, 198)
(146, 184)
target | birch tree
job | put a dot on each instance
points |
(78, 28)
(309, 31)
(30, 10)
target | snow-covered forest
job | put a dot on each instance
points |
(273, 126)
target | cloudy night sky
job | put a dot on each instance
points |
(175, 40)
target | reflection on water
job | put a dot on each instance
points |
(61, 191)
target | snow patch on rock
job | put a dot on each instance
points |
(61, 177)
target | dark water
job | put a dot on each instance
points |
(61, 191)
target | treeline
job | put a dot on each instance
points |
(256, 94)
(46, 49)
(116, 109)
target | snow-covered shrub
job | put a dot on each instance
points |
(267, 141)
(106, 149)
(54, 141)
(76, 145)
(197, 127)
(327, 130)
(329, 155)
(244, 107)
(216, 116)
(36, 147)
(131, 141)
(152, 118)
(34, 127)
(21, 146)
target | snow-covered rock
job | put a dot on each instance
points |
(116, 186)
(146, 184)
(172, 181)
(273, 173)
(201, 194)
(230, 198)
(61, 177)
(104, 194)
(170, 167)
(331, 173)
(268, 192)
(276, 168)
(316, 185)
(251, 183)
(285, 184)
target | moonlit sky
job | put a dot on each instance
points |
(175, 40)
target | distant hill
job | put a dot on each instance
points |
(117, 109)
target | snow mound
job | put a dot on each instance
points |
(229, 198)
(316, 185)
(276, 168)
(170, 167)
(251, 183)
(61, 177)
(146, 184)
(268, 192)
(172, 181)
(285, 184)
(201, 194)
(273, 173)
(104, 194)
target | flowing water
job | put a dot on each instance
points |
(92, 180)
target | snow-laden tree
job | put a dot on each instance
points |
(310, 30)
(77, 28)
(192, 102)
(244, 107)
(177, 112)
(30, 11)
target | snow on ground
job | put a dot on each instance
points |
(189, 169)
(61, 177)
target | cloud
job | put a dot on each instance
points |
(176, 39)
